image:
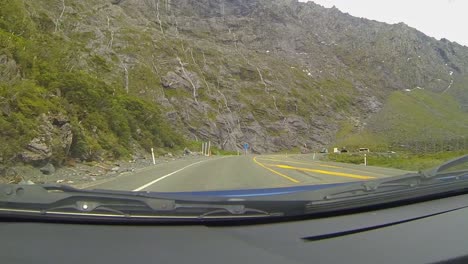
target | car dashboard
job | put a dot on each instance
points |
(427, 232)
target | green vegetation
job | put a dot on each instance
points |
(399, 160)
(459, 90)
(424, 128)
(420, 120)
(418, 115)
(221, 152)
(295, 150)
(102, 67)
(351, 139)
(105, 120)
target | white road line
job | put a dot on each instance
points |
(165, 176)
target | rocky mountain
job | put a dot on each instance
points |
(277, 74)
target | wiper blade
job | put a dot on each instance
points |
(446, 166)
(385, 191)
(401, 183)
(56, 196)
(436, 176)
(60, 200)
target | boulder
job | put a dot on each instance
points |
(187, 151)
(48, 169)
(54, 140)
(38, 149)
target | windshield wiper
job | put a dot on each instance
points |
(434, 183)
(60, 200)
(434, 177)
(447, 165)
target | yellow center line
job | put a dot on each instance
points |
(341, 174)
(303, 163)
(275, 172)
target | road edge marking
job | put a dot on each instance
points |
(165, 176)
(272, 170)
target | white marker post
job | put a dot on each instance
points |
(365, 159)
(208, 152)
(313, 158)
(203, 148)
(152, 155)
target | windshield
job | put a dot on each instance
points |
(229, 101)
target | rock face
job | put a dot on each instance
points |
(181, 79)
(281, 74)
(277, 74)
(54, 139)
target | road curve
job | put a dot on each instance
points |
(241, 172)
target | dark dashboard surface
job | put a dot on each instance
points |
(430, 232)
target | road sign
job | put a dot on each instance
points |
(246, 148)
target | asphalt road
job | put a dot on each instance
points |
(241, 172)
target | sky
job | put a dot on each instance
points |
(436, 18)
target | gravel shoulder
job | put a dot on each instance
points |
(81, 175)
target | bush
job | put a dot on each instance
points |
(105, 120)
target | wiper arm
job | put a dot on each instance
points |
(408, 181)
(47, 200)
(378, 186)
(385, 191)
(447, 165)
(58, 196)
(215, 209)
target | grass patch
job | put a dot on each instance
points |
(418, 121)
(418, 115)
(294, 150)
(404, 161)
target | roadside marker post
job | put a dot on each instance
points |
(365, 159)
(152, 155)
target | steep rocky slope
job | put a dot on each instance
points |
(278, 74)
